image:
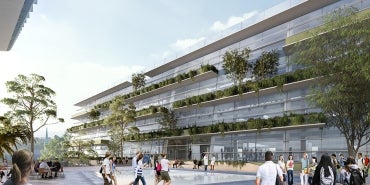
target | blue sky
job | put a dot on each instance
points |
(86, 46)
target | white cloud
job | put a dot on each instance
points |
(219, 26)
(185, 43)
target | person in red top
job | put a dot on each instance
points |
(366, 160)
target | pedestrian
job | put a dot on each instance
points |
(281, 164)
(205, 161)
(112, 161)
(106, 169)
(304, 172)
(22, 168)
(164, 170)
(213, 161)
(324, 172)
(312, 167)
(268, 171)
(290, 167)
(139, 170)
(157, 172)
(336, 166)
(134, 164)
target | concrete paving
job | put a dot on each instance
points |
(90, 176)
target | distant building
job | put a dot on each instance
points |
(13, 15)
(275, 29)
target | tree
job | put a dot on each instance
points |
(266, 65)
(168, 120)
(81, 150)
(94, 114)
(338, 52)
(121, 114)
(32, 104)
(55, 148)
(138, 81)
(11, 135)
(236, 65)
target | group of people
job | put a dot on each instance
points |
(49, 167)
(205, 161)
(328, 171)
(161, 168)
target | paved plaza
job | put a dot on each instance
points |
(90, 176)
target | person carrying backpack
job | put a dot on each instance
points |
(355, 176)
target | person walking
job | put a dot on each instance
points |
(268, 171)
(106, 169)
(22, 168)
(304, 172)
(113, 161)
(134, 164)
(290, 167)
(139, 170)
(164, 170)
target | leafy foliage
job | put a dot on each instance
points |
(168, 120)
(266, 65)
(236, 65)
(11, 135)
(138, 81)
(31, 103)
(57, 147)
(339, 52)
(121, 115)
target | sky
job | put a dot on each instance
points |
(83, 47)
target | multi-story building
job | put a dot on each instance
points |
(13, 15)
(197, 102)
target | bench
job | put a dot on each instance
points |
(42, 172)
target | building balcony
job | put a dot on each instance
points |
(197, 78)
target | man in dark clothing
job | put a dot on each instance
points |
(56, 167)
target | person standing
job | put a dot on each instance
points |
(22, 168)
(281, 163)
(205, 161)
(164, 170)
(336, 166)
(107, 169)
(313, 166)
(290, 168)
(267, 172)
(213, 161)
(304, 172)
(324, 172)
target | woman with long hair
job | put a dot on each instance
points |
(22, 168)
(139, 170)
(290, 167)
(324, 172)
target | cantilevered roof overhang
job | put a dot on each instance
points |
(13, 15)
(104, 93)
(278, 19)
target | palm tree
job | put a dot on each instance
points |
(11, 135)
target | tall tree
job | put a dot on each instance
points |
(168, 120)
(121, 114)
(266, 65)
(236, 65)
(55, 148)
(11, 135)
(338, 51)
(31, 104)
(138, 81)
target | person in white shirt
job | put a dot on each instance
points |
(213, 161)
(281, 163)
(139, 170)
(45, 166)
(106, 169)
(267, 172)
(205, 162)
(164, 171)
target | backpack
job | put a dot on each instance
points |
(356, 177)
(158, 167)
